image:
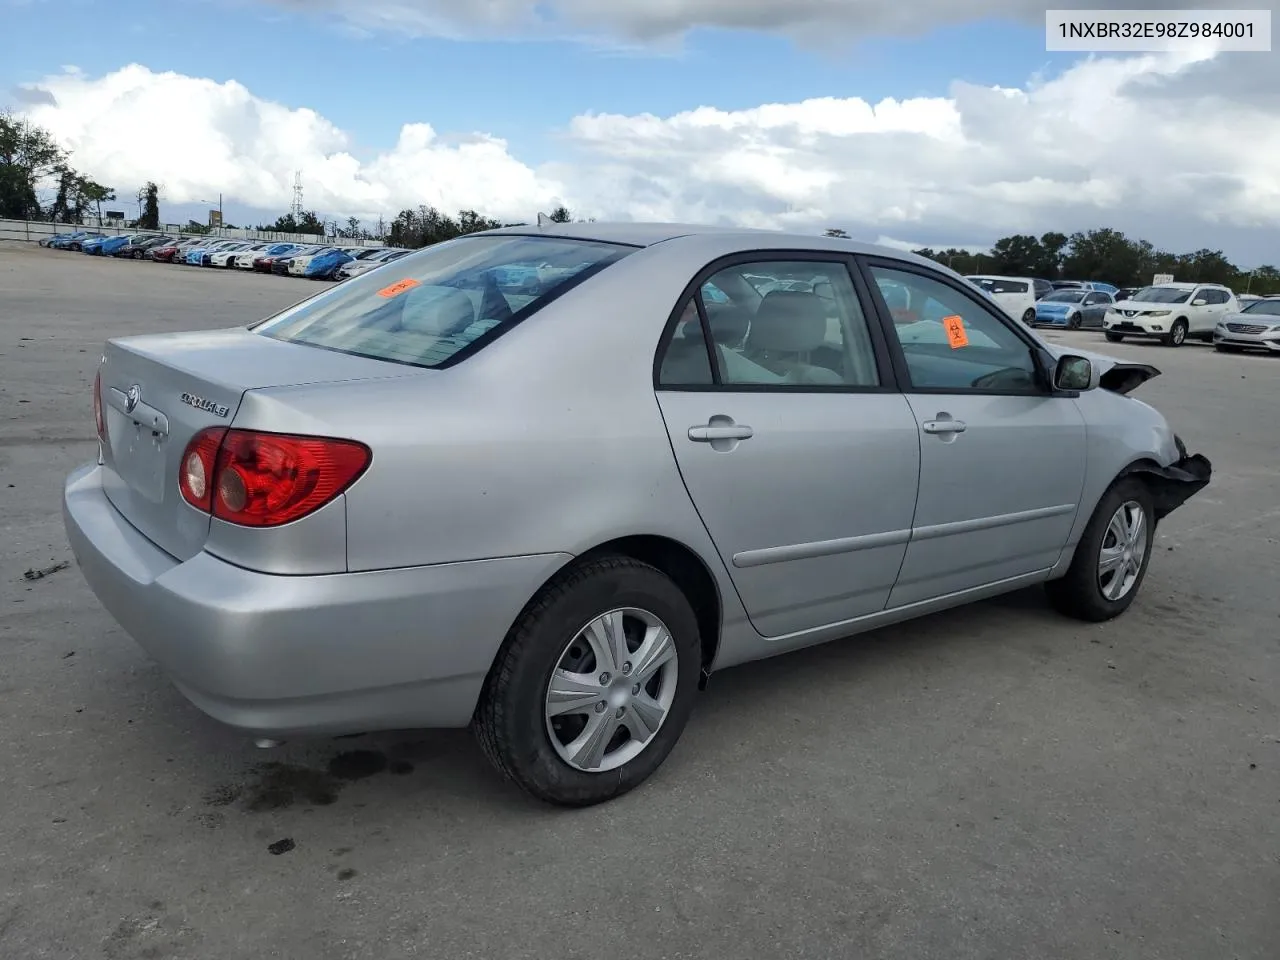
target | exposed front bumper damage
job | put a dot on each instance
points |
(1174, 485)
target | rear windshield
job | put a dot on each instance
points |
(992, 285)
(436, 302)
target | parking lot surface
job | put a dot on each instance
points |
(994, 782)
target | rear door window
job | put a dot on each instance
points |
(429, 307)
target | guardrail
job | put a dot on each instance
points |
(33, 231)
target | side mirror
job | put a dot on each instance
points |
(1199, 302)
(1074, 373)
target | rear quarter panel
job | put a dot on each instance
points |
(549, 440)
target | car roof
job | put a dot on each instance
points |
(745, 239)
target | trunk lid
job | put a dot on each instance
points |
(159, 391)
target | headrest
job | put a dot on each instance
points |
(789, 321)
(729, 324)
(436, 310)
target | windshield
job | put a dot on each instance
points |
(1065, 296)
(1162, 295)
(441, 300)
(1270, 308)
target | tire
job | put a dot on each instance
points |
(1081, 594)
(511, 719)
(1177, 334)
(1114, 337)
(1029, 318)
(1073, 322)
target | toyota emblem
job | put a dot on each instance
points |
(132, 397)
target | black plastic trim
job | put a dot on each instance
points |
(1174, 485)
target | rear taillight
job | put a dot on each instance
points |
(199, 460)
(99, 421)
(266, 479)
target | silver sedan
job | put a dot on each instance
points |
(1256, 327)
(545, 482)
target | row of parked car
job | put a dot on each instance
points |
(315, 261)
(1170, 313)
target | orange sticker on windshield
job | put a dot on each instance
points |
(956, 335)
(399, 287)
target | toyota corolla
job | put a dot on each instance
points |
(535, 481)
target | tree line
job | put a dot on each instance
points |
(29, 157)
(1102, 254)
(411, 228)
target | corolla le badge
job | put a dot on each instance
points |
(131, 398)
(209, 406)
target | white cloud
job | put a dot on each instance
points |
(198, 138)
(1122, 141)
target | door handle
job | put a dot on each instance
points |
(944, 426)
(710, 433)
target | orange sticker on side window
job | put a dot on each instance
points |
(399, 287)
(956, 335)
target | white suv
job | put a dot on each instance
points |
(1171, 313)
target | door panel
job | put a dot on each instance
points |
(1001, 461)
(996, 500)
(811, 513)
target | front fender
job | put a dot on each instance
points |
(1174, 485)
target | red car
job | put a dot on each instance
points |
(166, 253)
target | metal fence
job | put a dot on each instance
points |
(33, 231)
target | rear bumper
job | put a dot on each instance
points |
(299, 655)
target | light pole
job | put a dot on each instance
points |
(210, 203)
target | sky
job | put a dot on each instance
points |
(907, 122)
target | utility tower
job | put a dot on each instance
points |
(296, 209)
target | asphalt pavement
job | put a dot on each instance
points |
(994, 782)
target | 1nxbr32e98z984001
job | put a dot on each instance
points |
(544, 481)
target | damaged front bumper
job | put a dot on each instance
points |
(1174, 485)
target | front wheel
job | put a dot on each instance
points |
(1177, 334)
(1225, 348)
(593, 685)
(1073, 322)
(1111, 558)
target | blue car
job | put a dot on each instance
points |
(107, 246)
(1073, 309)
(324, 265)
(72, 241)
(61, 238)
(195, 255)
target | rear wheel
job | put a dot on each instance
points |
(1029, 318)
(1073, 322)
(593, 685)
(1114, 337)
(1177, 334)
(1111, 558)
